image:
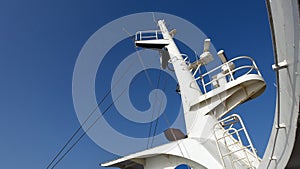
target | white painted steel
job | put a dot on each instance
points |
(283, 149)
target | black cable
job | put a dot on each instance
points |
(75, 133)
(90, 115)
(156, 122)
(139, 57)
(149, 134)
(159, 76)
(148, 78)
(94, 110)
(102, 114)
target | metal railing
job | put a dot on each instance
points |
(148, 35)
(228, 70)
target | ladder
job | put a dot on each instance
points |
(234, 144)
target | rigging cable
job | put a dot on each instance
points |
(75, 133)
(173, 134)
(156, 122)
(150, 130)
(81, 136)
(148, 78)
(166, 118)
(140, 59)
(102, 114)
(90, 115)
(150, 82)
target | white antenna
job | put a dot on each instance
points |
(222, 56)
(154, 19)
(206, 56)
(206, 45)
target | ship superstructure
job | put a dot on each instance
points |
(213, 140)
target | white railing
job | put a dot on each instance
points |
(228, 71)
(148, 35)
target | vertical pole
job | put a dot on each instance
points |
(189, 88)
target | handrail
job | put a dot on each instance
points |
(153, 34)
(229, 72)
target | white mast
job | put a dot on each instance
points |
(189, 89)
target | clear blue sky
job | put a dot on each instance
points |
(41, 40)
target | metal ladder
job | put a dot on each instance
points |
(231, 137)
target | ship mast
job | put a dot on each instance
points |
(189, 88)
(211, 141)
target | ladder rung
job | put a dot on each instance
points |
(234, 161)
(230, 134)
(236, 142)
(233, 119)
(234, 151)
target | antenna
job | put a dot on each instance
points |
(206, 45)
(222, 56)
(154, 19)
(206, 56)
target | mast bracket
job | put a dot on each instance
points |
(281, 125)
(280, 65)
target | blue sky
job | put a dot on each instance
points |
(39, 45)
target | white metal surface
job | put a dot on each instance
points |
(283, 148)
